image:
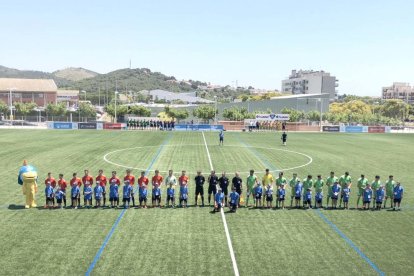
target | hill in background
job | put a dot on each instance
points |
(6, 72)
(75, 74)
(125, 81)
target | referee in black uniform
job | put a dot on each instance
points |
(224, 184)
(237, 184)
(199, 182)
(212, 185)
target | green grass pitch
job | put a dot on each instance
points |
(192, 241)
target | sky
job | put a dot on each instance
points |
(366, 44)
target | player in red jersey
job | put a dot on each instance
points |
(52, 182)
(62, 185)
(76, 181)
(183, 179)
(130, 180)
(156, 184)
(143, 182)
(101, 180)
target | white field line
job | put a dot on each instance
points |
(223, 217)
(310, 160)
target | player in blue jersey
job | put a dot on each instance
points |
(308, 199)
(156, 196)
(367, 196)
(87, 195)
(221, 138)
(49, 194)
(143, 196)
(258, 192)
(398, 196)
(379, 198)
(346, 192)
(298, 192)
(59, 195)
(336, 190)
(281, 197)
(218, 200)
(183, 195)
(75, 192)
(127, 193)
(170, 195)
(234, 200)
(98, 193)
(269, 196)
(114, 194)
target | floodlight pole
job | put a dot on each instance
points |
(215, 110)
(11, 102)
(115, 120)
(320, 122)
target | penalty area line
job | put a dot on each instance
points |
(223, 217)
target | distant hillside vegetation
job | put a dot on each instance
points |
(75, 74)
(6, 72)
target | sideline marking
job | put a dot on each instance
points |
(115, 225)
(350, 243)
(310, 159)
(223, 217)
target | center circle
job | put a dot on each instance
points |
(148, 153)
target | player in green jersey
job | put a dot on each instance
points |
(362, 184)
(375, 186)
(251, 183)
(389, 191)
(292, 184)
(329, 183)
(346, 182)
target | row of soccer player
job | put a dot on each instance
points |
(260, 191)
(150, 124)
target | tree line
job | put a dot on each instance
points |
(348, 110)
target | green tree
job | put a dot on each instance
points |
(86, 110)
(294, 115)
(4, 108)
(140, 111)
(121, 110)
(205, 112)
(396, 109)
(110, 109)
(354, 106)
(25, 108)
(179, 114)
(313, 116)
(238, 114)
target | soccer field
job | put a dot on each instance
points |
(193, 241)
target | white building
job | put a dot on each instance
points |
(399, 90)
(310, 82)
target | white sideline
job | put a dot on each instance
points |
(223, 217)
